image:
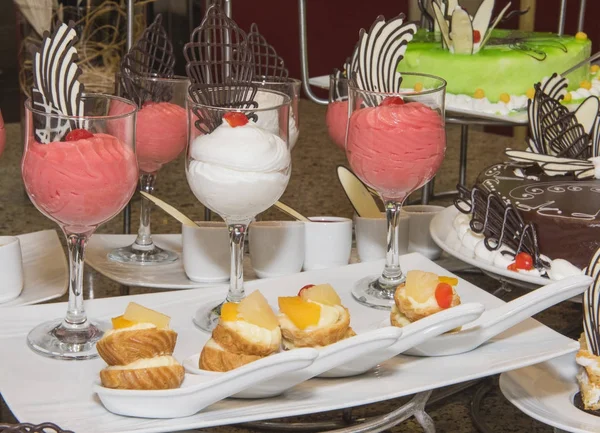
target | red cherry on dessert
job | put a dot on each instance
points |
(308, 286)
(524, 261)
(392, 100)
(512, 267)
(78, 134)
(476, 36)
(444, 295)
(235, 118)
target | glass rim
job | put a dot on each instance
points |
(29, 107)
(288, 80)
(151, 77)
(286, 101)
(441, 87)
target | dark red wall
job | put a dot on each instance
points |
(333, 27)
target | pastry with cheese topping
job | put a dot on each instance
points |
(138, 351)
(246, 332)
(314, 318)
(421, 295)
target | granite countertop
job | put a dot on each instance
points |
(313, 190)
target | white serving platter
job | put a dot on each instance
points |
(517, 117)
(164, 276)
(545, 392)
(441, 225)
(64, 390)
(45, 269)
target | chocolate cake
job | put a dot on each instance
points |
(564, 211)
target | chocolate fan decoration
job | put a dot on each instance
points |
(591, 306)
(499, 222)
(56, 88)
(220, 67)
(31, 428)
(151, 56)
(561, 141)
(267, 64)
(377, 54)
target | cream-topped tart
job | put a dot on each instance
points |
(314, 318)
(421, 295)
(138, 351)
(246, 332)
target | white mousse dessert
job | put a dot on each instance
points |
(239, 171)
(269, 120)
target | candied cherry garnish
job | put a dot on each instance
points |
(308, 286)
(476, 36)
(78, 134)
(235, 118)
(392, 100)
(444, 295)
(523, 261)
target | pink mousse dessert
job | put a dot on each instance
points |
(396, 149)
(161, 132)
(80, 183)
(337, 120)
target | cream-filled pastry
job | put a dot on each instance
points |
(588, 356)
(139, 333)
(314, 318)
(138, 351)
(246, 332)
(160, 372)
(421, 295)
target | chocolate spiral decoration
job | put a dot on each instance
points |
(499, 222)
(220, 67)
(151, 56)
(267, 63)
(46, 427)
(56, 88)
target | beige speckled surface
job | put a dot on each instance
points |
(313, 190)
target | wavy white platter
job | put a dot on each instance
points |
(45, 269)
(517, 117)
(165, 276)
(64, 390)
(545, 392)
(441, 225)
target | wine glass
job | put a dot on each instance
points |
(237, 169)
(395, 144)
(336, 117)
(78, 180)
(289, 86)
(161, 135)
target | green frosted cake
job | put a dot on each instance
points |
(510, 63)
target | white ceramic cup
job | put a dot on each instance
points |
(371, 237)
(11, 268)
(327, 241)
(419, 237)
(206, 256)
(276, 247)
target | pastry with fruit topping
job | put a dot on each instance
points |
(138, 351)
(423, 294)
(314, 318)
(588, 356)
(246, 332)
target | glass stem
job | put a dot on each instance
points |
(237, 234)
(76, 317)
(144, 237)
(392, 273)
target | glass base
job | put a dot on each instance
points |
(54, 340)
(371, 292)
(206, 318)
(139, 255)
